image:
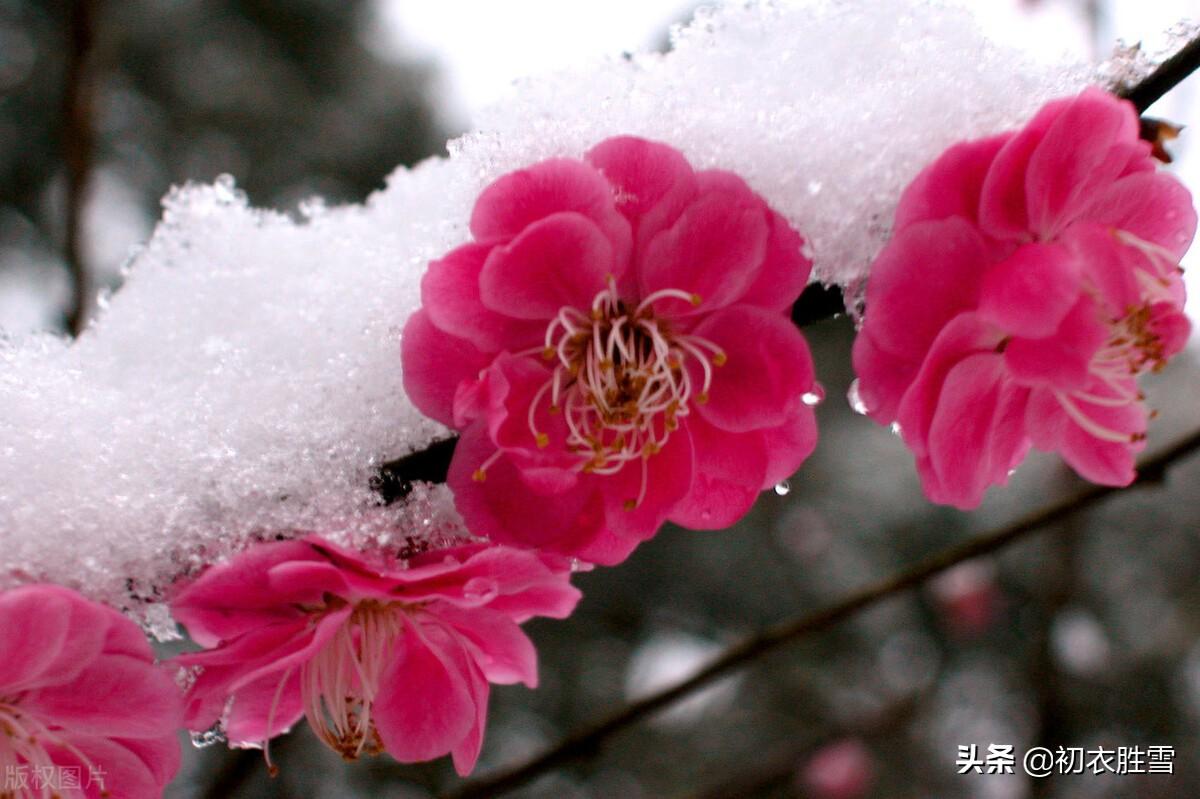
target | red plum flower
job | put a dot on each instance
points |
(1031, 278)
(377, 653)
(84, 710)
(615, 348)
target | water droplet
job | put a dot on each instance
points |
(211, 736)
(896, 428)
(783, 488)
(855, 399)
(814, 396)
(814, 187)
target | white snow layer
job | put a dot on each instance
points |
(246, 381)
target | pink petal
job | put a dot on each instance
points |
(504, 508)
(115, 695)
(883, 377)
(236, 597)
(785, 269)
(731, 470)
(714, 251)
(266, 707)
(1096, 459)
(1030, 292)
(668, 479)
(964, 336)
(767, 369)
(652, 182)
(435, 363)
(1079, 152)
(1154, 206)
(561, 261)
(1109, 267)
(450, 296)
(426, 703)
(962, 435)
(1003, 213)
(116, 770)
(1064, 358)
(502, 652)
(513, 386)
(50, 634)
(161, 756)
(926, 275)
(789, 445)
(951, 185)
(519, 199)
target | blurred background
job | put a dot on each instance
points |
(1086, 635)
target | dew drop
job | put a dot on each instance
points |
(783, 488)
(814, 396)
(855, 399)
(896, 428)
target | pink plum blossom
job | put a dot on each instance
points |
(1031, 278)
(378, 653)
(84, 710)
(616, 350)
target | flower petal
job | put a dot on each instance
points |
(668, 477)
(1030, 292)
(519, 199)
(714, 251)
(652, 182)
(1064, 358)
(785, 269)
(561, 261)
(426, 704)
(1083, 149)
(789, 445)
(435, 364)
(503, 653)
(767, 369)
(450, 295)
(1154, 206)
(951, 185)
(50, 635)
(115, 695)
(502, 505)
(927, 274)
(731, 470)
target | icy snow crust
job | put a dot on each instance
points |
(246, 379)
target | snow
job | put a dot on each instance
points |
(245, 381)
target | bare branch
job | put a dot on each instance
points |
(77, 154)
(588, 740)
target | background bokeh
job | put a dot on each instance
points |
(1085, 635)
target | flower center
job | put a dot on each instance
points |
(1134, 346)
(340, 683)
(25, 762)
(622, 380)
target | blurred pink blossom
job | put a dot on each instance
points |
(378, 654)
(84, 710)
(1031, 278)
(616, 350)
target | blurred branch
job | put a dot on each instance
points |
(77, 152)
(818, 302)
(1165, 77)
(587, 741)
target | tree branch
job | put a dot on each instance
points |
(77, 154)
(395, 478)
(586, 741)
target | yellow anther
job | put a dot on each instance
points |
(696, 300)
(479, 475)
(543, 440)
(720, 359)
(630, 504)
(702, 397)
(549, 353)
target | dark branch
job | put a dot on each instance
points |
(77, 154)
(817, 303)
(586, 741)
(1165, 77)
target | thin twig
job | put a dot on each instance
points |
(818, 302)
(77, 154)
(585, 741)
